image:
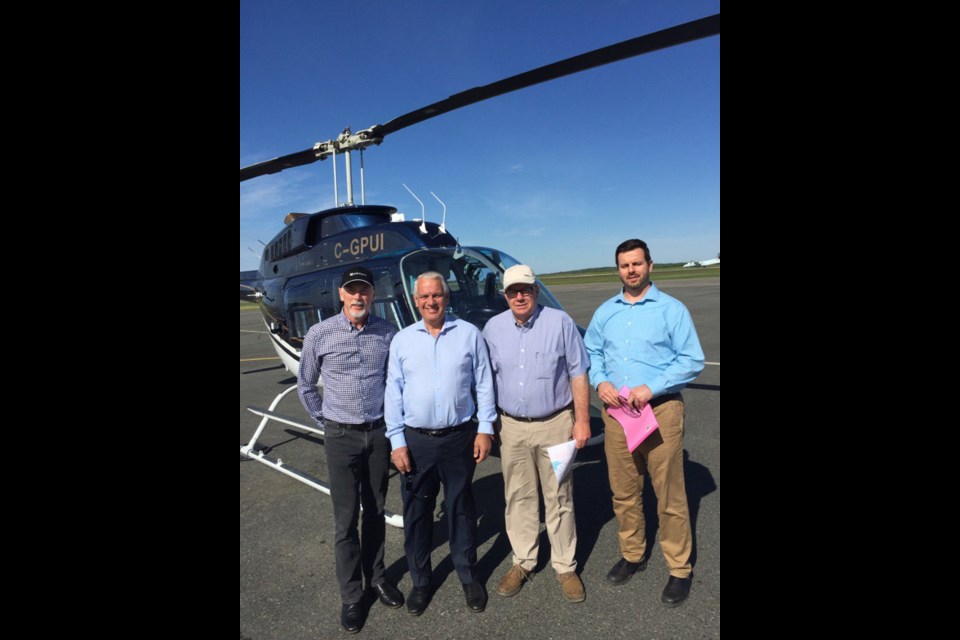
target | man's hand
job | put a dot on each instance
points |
(481, 447)
(608, 393)
(581, 433)
(640, 396)
(401, 459)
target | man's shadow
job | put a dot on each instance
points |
(699, 483)
(592, 514)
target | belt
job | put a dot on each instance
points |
(363, 426)
(659, 400)
(439, 433)
(543, 419)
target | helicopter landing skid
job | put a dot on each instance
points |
(248, 450)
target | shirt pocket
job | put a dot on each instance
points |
(548, 365)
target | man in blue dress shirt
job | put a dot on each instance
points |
(350, 351)
(540, 377)
(645, 340)
(434, 367)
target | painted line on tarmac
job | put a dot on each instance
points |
(716, 364)
(259, 359)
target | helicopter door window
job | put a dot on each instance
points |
(385, 304)
(302, 317)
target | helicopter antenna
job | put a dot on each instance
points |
(423, 210)
(254, 252)
(443, 227)
(261, 242)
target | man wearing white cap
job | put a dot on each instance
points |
(543, 396)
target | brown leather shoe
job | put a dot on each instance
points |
(513, 581)
(572, 587)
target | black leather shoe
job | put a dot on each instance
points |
(351, 617)
(621, 572)
(676, 591)
(388, 594)
(476, 596)
(418, 600)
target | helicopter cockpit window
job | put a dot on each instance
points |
(338, 223)
(476, 285)
(505, 261)
(475, 279)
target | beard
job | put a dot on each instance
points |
(358, 314)
(639, 286)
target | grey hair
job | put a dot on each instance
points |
(432, 275)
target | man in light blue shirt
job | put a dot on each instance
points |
(433, 368)
(540, 376)
(644, 349)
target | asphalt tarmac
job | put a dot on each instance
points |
(288, 586)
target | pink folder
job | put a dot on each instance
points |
(637, 425)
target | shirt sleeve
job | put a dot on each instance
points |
(576, 354)
(688, 362)
(393, 397)
(483, 377)
(593, 342)
(307, 376)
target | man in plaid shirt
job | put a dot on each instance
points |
(350, 351)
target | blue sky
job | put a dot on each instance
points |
(556, 175)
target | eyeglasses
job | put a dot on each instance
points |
(527, 291)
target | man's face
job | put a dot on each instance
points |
(357, 298)
(431, 300)
(634, 270)
(522, 299)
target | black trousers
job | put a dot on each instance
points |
(446, 460)
(358, 462)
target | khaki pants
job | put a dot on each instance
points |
(661, 454)
(523, 450)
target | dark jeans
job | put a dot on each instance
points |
(447, 460)
(358, 462)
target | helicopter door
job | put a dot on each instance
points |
(475, 283)
(387, 304)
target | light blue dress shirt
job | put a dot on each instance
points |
(429, 380)
(534, 363)
(651, 342)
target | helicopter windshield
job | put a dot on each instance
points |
(505, 261)
(475, 279)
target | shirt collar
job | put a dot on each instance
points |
(653, 294)
(449, 323)
(346, 325)
(532, 321)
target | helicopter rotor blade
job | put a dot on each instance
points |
(687, 32)
(277, 165)
(680, 34)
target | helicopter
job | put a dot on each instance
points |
(299, 267)
(296, 284)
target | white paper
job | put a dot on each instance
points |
(561, 457)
